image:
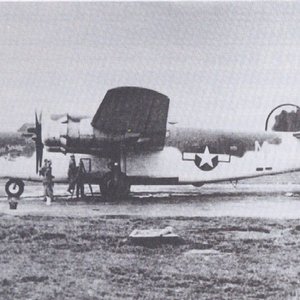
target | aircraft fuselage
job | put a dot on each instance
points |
(190, 156)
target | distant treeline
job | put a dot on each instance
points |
(287, 121)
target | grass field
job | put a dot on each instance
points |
(81, 258)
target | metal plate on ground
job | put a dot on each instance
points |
(154, 237)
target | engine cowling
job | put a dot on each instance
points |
(68, 132)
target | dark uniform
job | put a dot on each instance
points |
(72, 174)
(42, 172)
(79, 180)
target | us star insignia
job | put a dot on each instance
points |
(206, 161)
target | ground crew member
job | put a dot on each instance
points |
(46, 172)
(72, 174)
(79, 180)
(42, 172)
(48, 181)
(43, 168)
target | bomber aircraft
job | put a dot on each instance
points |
(129, 142)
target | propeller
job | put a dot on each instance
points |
(38, 141)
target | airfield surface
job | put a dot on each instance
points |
(237, 243)
(280, 201)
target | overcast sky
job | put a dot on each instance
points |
(222, 64)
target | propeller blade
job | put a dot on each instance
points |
(36, 118)
(39, 156)
(36, 162)
(38, 141)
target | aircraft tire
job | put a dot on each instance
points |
(111, 190)
(14, 188)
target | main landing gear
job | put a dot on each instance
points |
(14, 188)
(114, 185)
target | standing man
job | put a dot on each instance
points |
(42, 172)
(80, 180)
(72, 174)
(48, 181)
(46, 172)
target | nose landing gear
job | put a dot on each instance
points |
(14, 188)
(114, 185)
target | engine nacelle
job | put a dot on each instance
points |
(66, 131)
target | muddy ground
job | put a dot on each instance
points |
(50, 257)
